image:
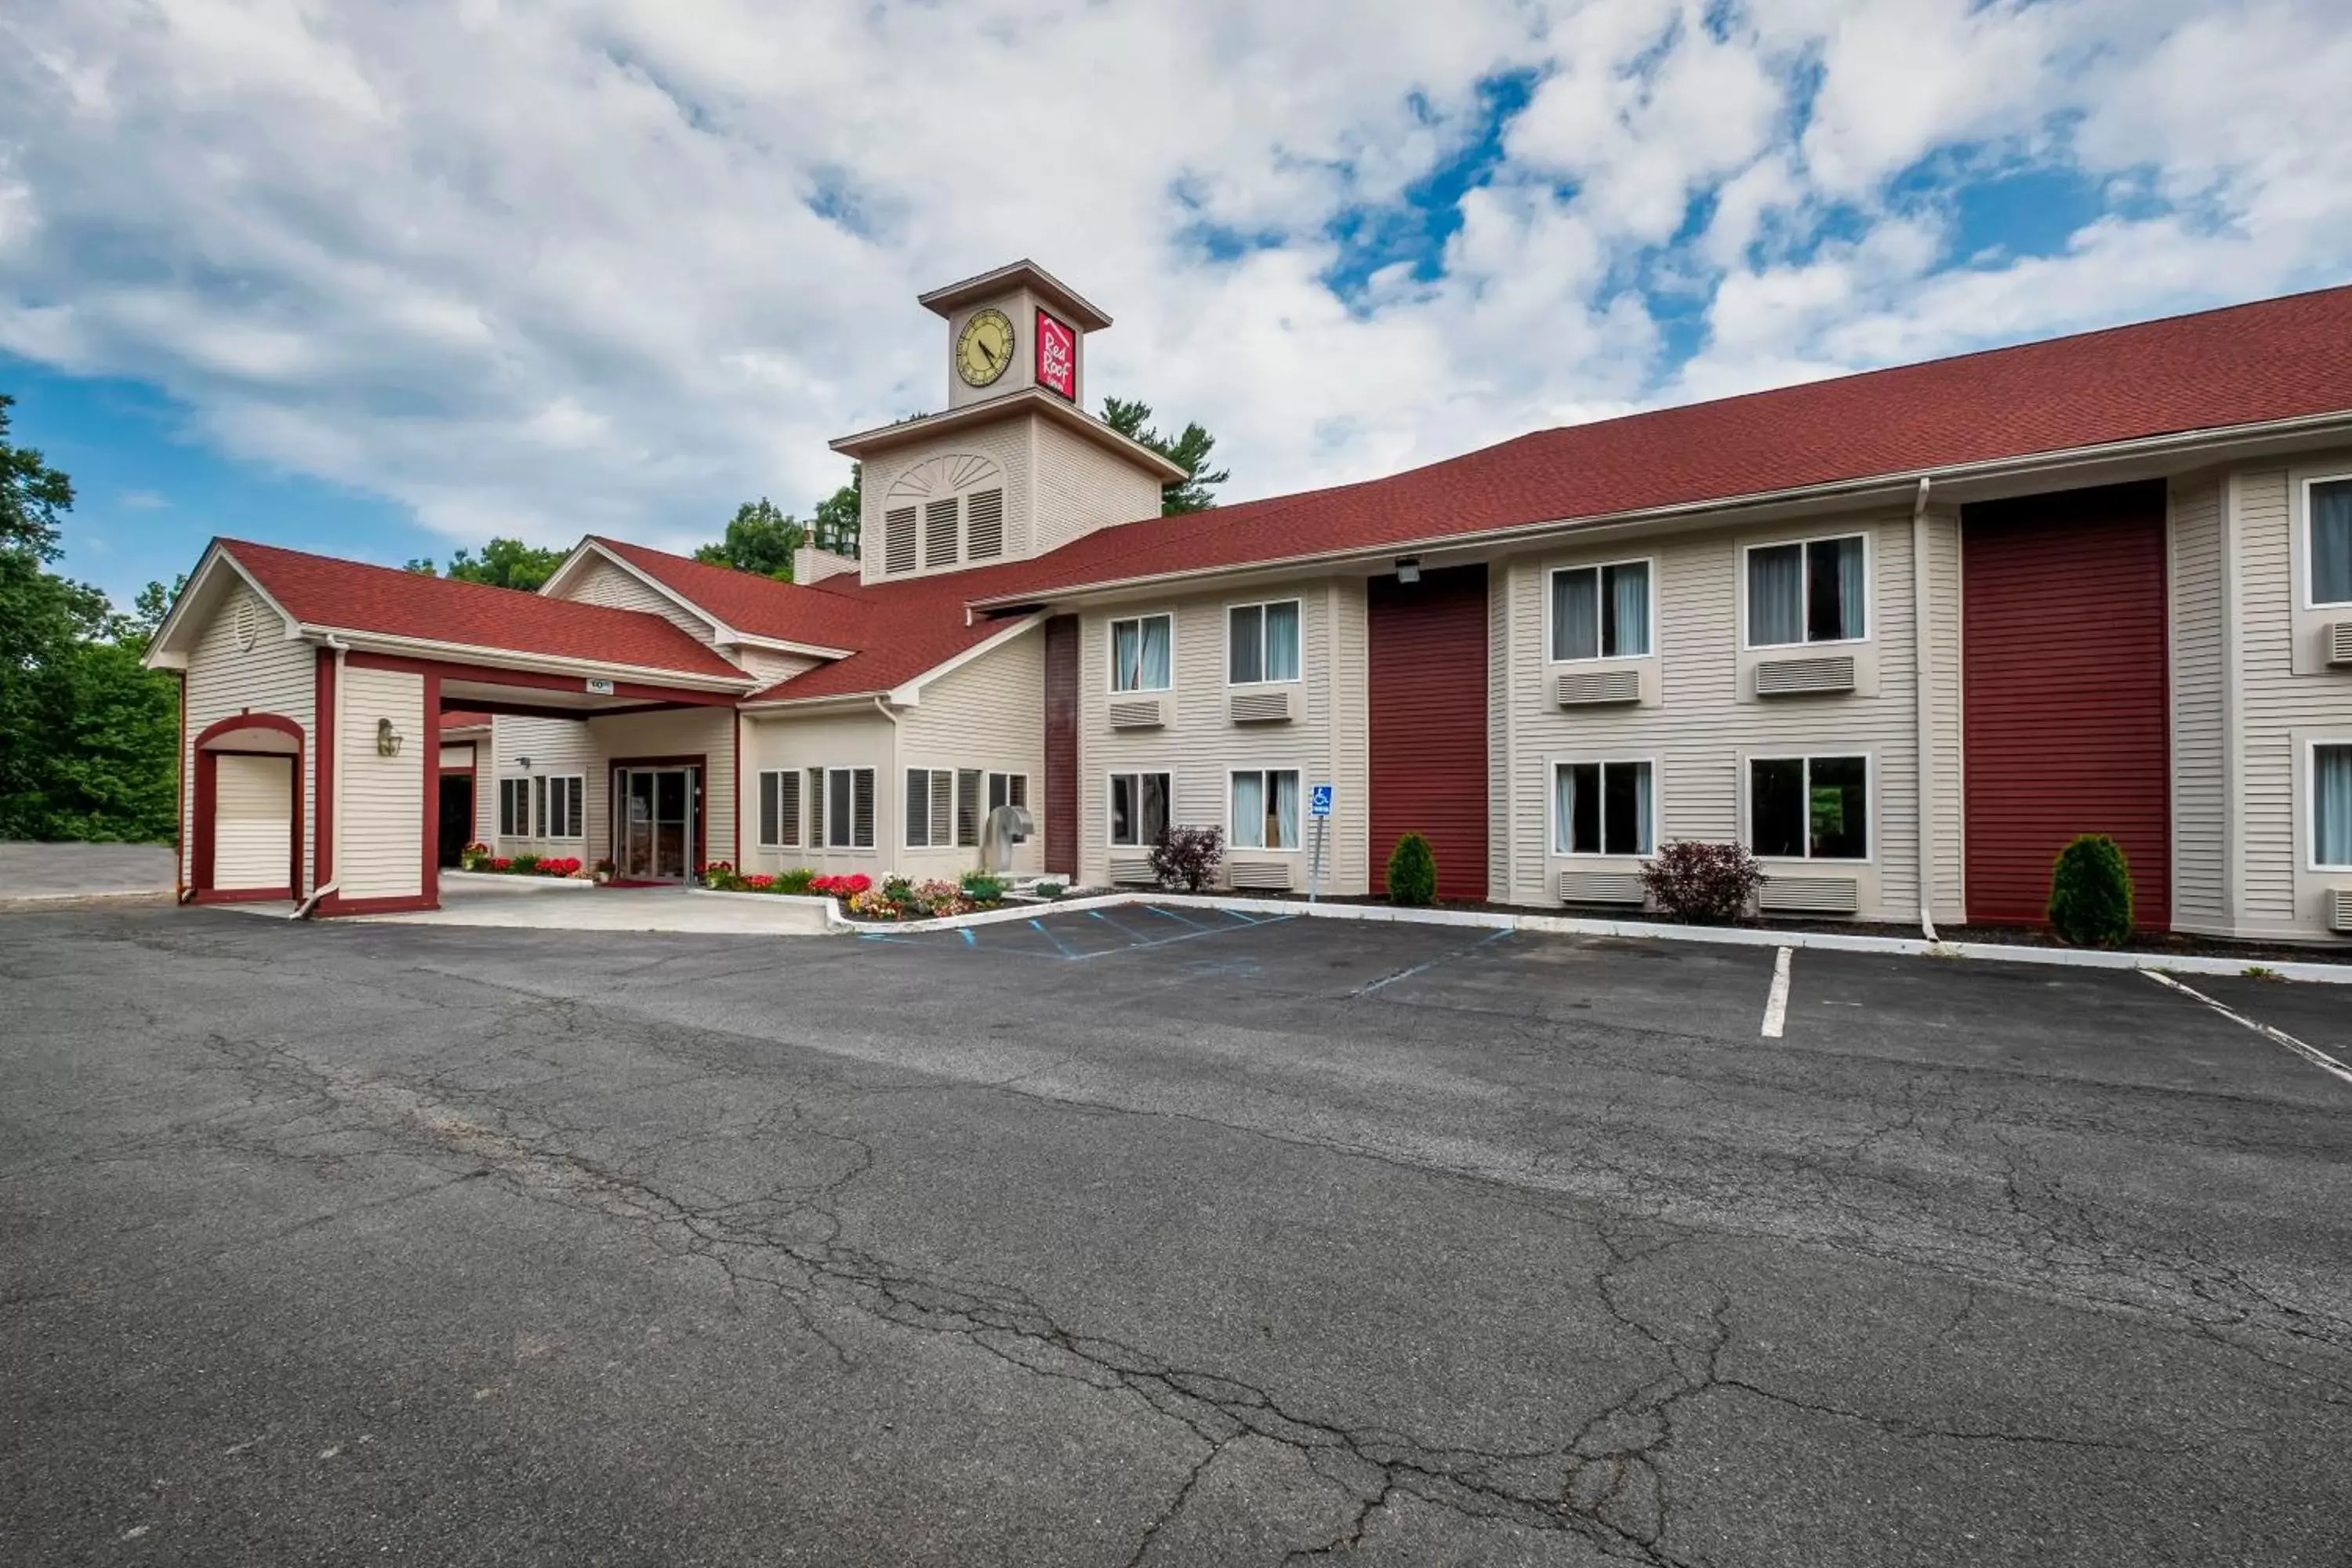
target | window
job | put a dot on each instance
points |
(1262, 643)
(984, 524)
(1139, 809)
(2329, 503)
(898, 540)
(1600, 612)
(514, 808)
(566, 798)
(780, 809)
(967, 808)
(841, 808)
(1139, 654)
(1604, 809)
(1812, 591)
(1265, 809)
(1008, 789)
(539, 804)
(2331, 806)
(930, 809)
(1814, 808)
(940, 532)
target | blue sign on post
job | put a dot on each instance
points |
(1318, 804)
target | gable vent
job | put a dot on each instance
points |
(1583, 687)
(2339, 644)
(1795, 677)
(983, 525)
(940, 532)
(1259, 707)
(248, 625)
(1137, 713)
(898, 540)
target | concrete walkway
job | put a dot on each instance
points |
(540, 903)
(45, 871)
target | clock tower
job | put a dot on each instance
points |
(1013, 329)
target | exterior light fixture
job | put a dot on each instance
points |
(523, 761)
(1408, 568)
(387, 738)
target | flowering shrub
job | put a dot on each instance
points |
(719, 874)
(1703, 883)
(474, 857)
(943, 898)
(567, 866)
(759, 884)
(847, 887)
(873, 906)
(500, 863)
(1188, 856)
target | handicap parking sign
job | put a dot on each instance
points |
(1319, 802)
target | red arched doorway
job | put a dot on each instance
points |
(247, 832)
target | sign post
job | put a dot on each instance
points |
(1318, 806)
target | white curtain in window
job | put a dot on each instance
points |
(1576, 615)
(2331, 788)
(1647, 808)
(1285, 810)
(1563, 810)
(1249, 811)
(1851, 556)
(1282, 642)
(1629, 595)
(1155, 653)
(2331, 543)
(1776, 595)
(1126, 654)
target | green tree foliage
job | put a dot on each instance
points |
(760, 539)
(503, 564)
(2091, 893)
(88, 737)
(835, 526)
(1413, 872)
(1189, 451)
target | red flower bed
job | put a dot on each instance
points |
(501, 863)
(843, 886)
(564, 867)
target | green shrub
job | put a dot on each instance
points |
(982, 888)
(2091, 893)
(1047, 889)
(898, 889)
(795, 881)
(523, 865)
(1413, 872)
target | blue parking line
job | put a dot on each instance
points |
(969, 940)
(1172, 940)
(1172, 914)
(1129, 932)
(1386, 981)
(1039, 927)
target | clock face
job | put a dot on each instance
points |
(985, 348)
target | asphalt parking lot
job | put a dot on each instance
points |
(1157, 1237)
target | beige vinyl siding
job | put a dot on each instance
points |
(1702, 731)
(1201, 746)
(1947, 808)
(2200, 797)
(252, 808)
(555, 747)
(600, 582)
(681, 732)
(380, 800)
(1349, 741)
(1081, 487)
(987, 714)
(856, 739)
(769, 666)
(2278, 711)
(276, 676)
(1006, 446)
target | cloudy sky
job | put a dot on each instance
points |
(382, 277)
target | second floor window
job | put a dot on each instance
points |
(1812, 591)
(1262, 643)
(1600, 612)
(1139, 654)
(2331, 541)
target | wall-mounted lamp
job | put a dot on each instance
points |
(387, 738)
(523, 761)
(1408, 568)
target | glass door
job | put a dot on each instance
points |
(653, 833)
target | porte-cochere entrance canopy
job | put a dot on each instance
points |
(314, 695)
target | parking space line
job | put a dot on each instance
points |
(1059, 946)
(2311, 1054)
(1172, 914)
(1171, 940)
(1776, 1003)
(1385, 981)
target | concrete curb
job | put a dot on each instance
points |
(110, 894)
(1650, 931)
(508, 878)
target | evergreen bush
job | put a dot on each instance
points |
(2091, 893)
(1413, 872)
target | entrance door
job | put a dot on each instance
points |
(252, 822)
(653, 829)
(456, 816)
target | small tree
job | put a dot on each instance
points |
(1188, 856)
(2091, 893)
(1413, 872)
(1703, 884)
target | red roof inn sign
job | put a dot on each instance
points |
(1057, 357)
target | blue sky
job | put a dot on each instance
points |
(385, 280)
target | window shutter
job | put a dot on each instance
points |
(861, 809)
(966, 816)
(816, 806)
(940, 532)
(984, 524)
(788, 809)
(898, 540)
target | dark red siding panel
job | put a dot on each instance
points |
(1061, 824)
(1428, 693)
(2065, 693)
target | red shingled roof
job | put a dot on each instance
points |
(2247, 364)
(750, 602)
(348, 596)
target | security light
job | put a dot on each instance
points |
(387, 738)
(1408, 568)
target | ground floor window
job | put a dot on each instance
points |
(1008, 789)
(566, 816)
(930, 809)
(1604, 809)
(841, 808)
(514, 808)
(780, 809)
(1139, 809)
(2331, 805)
(1810, 807)
(1266, 808)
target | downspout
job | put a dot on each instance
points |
(183, 830)
(896, 781)
(1919, 712)
(335, 836)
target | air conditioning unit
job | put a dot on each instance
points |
(1804, 677)
(1138, 714)
(1812, 895)
(2339, 644)
(1259, 707)
(2339, 908)
(1266, 876)
(1579, 688)
(1602, 888)
(1130, 869)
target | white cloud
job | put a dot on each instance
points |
(536, 267)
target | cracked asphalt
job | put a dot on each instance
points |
(1152, 1241)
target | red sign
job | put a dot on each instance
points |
(1057, 357)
